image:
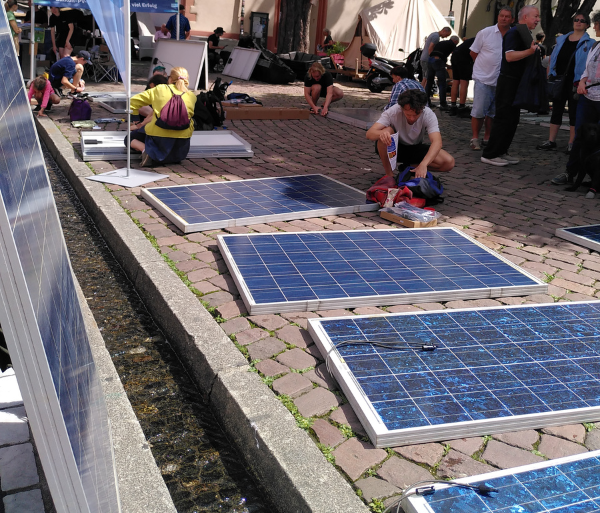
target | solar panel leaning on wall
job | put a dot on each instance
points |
(429, 376)
(41, 316)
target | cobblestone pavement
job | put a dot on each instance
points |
(513, 210)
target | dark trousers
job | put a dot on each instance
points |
(506, 119)
(437, 68)
(588, 111)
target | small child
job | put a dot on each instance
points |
(44, 94)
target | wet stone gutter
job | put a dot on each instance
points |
(285, 460)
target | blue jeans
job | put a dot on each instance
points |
(437, 68)
(588, 111)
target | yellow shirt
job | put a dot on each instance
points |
(158, 97)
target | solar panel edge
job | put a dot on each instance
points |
(417, 504)
(245, 293)
(563, 233)
(169, 214)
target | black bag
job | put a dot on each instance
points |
(203, 119)
(555, 86)
(214, 107)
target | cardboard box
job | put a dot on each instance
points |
(274, 113)
(406, 222)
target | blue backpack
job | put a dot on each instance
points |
(430, 187)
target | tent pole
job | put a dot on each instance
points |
(178, 24)
(32, 45)
(127, 5)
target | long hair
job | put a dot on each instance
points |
(10, 4)
(180, 77)
(316, 66)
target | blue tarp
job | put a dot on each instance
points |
(136, 6)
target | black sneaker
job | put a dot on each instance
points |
(444, 107)
(38, 108)
(464, 112)
(548, 145)
(453, 110)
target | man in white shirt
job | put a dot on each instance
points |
(162, 33)
(411, 118)
(486, 52)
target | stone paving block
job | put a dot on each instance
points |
(468, 446)
(225, 282)
(523, 439)
(292, 384)
(402, 473)
(295, 336)
(17, 467)
(316, 402)
(355, 456)
(430, 306)
(506, 456)
(217, 299)
(314, 352)
(326, 433)
(368, 310)
(456, 464)
(296, 359)
(592, 439)
(188, 266)
(300, 318)
(10, 395)
(232, 309)
(321, 376)
(252, 335)
(345, 415)
(235, 325)
(24, 502)
(373, 488)
(13, 426)
(335, 313)
(554, 447)
(571, 432)
(202, 274)
(402, 308)
(429, 454)
(269, 322)
(265, 348)
(271, 368)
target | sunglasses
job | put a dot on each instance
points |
(579, 20)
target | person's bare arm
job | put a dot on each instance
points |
(473, 55)
(188, 34)
(53, 37)
(66, 82)
(379, 132)
(309, 99)
(436, 145)
(431, 45)
(522, 54)
(68, 41)
(328, 98)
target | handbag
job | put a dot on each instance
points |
(556, 83)
(80, 110)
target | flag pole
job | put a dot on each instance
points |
(127, 27)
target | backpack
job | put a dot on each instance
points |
(385, 192)
(214, 107)
(430, 187)
(80, 110)
(174, 115)
(203, 119)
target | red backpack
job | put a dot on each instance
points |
(174, 115)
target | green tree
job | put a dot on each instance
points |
(560, 19)
(294, 26)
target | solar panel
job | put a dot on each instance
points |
(289, 272)
(41, 316)
(494, 370)
(110, 145)
(565, 485)
(360, 118)
(209, 206)
(586, 236)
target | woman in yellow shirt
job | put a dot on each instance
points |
(159, 145)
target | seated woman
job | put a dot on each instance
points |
(327, 42)
(319, 84)
(42, 90)
(161, 145)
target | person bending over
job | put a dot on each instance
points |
(160, 145)
(44, 94)
(67, 72)
(411, 118)
(319, 84)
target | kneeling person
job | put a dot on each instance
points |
(411, 118)
(319, 84)
(67, 73)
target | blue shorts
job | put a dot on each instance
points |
(484, 101)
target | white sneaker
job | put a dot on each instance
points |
(509, 159)
(590, 195)
(496, 161)
(474, 144)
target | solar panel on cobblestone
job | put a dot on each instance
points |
(41, 317)
(565, 485)
(586, 236)
(209, 206)
(494, 369)
(322, 270)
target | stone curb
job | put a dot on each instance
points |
(289, 466)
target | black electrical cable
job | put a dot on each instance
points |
(399, 346)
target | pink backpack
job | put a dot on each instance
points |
(174, 115)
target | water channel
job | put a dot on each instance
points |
(202, 470)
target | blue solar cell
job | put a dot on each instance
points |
(364, 264)
(236, 203)
(587, 236)
(489, 364)
(28, 213)
(568, 485)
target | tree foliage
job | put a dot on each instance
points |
(294, 26)
(561, 20)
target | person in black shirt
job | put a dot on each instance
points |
(437, 68)
(462, 72)
(213, 46)
(62, 27)
(327, 43)
(515, 53)
(319, 84)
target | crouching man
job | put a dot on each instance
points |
(411, 118)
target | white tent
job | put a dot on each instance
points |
(399, 27)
